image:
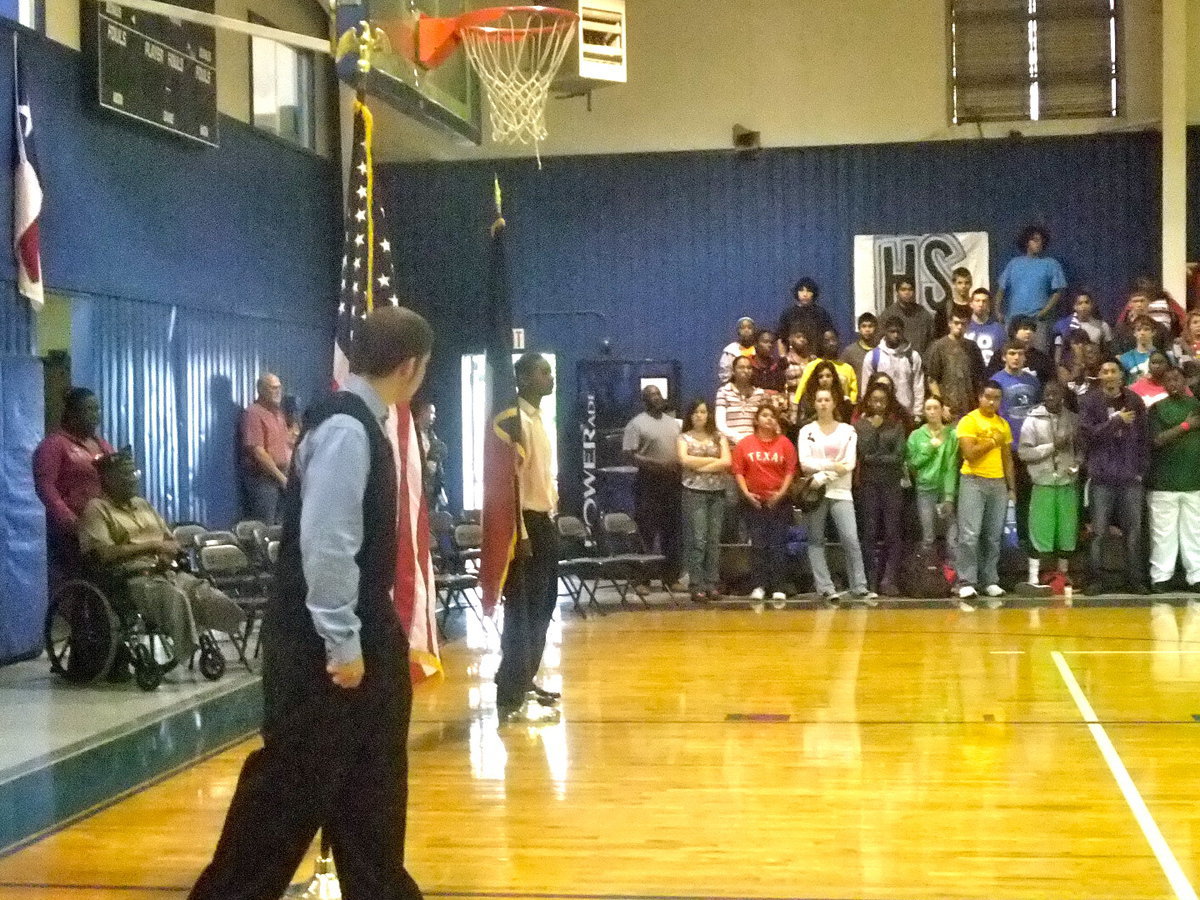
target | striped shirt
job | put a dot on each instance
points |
(735, 411)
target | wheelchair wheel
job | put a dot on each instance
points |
(212, 660)
(81, 632)
(146, 670)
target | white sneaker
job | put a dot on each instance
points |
(758, 594)
(778, 600)
(966, 592)
(994, 590)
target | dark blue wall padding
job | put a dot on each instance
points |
(661, 253)
(22, 518)
(252, 228)
(190, 269)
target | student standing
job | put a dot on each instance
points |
(764, 464)
(829, 452)
(1049, 447)
(1174, 495)
(986, 488)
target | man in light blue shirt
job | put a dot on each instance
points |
(336, 690)
(1031, 284)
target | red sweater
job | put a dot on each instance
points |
(764, 464)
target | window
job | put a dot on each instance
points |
(1033, 59)
(31, 13)
(282, 98)
(474, 397)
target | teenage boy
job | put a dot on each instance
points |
(1031, 284)
(1021, 393)
(1174, 496)
(959, 300)
(829, 352)
(1112, 429)
(743, 346)
(770, 372)
(896, 357)
(918, 321)
(1084, 319)
(1125, 337)
(1038, 363)
(868, 337)
(1136, 361)
(1049, 448)
(954, 368)
(982, 328)
(984, 492)
(805, 314)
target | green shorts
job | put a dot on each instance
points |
(1054, 518)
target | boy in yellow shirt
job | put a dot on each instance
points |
(985, 490)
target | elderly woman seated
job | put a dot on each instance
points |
(125, 539)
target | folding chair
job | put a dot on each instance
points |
(227, 567)
(623, 544)
(581, 569)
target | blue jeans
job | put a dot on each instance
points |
(1126, 502)
(262, 494)
(842, 512)
(982, 506)
(927, 504)
(703, 517)
(768, 528)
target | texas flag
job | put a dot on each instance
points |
(27, 195)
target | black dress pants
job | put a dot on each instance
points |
(530, 597)
(658, 511)
(334, 759)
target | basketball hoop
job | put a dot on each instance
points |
(515, 50)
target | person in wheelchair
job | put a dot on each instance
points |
(126, 541)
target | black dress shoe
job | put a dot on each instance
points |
(545, 697)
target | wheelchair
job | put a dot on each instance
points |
(92, 624)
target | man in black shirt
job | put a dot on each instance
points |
(1037, 361)
(804, 315)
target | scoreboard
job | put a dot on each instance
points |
(159, 70)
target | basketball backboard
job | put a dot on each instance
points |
(446, 97)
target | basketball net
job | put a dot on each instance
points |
(516, 55)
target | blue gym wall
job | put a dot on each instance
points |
(190, 271)
(661, 253)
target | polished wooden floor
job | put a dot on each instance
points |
(794, 754)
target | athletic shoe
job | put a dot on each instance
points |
(778, 600)
(831, 600)
(868, 598)
(966, 592)
(994, 590)
(1032, 589)
(758, 594)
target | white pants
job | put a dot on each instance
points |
(1174, 532)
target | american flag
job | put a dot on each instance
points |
(367, 279)
(27, 194)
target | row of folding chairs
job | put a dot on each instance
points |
(456, 549)
(239, 562)
(616, 557)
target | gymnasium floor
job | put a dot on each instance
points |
(792, 754)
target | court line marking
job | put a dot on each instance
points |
(1170, 865)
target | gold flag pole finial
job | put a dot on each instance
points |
(499, 195)
(363, 41)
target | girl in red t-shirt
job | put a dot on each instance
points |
(764, 464)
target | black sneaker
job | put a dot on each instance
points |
(545, 697)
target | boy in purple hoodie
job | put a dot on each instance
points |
(1114, 432)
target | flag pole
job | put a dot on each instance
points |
(324, 884)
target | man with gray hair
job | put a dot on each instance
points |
(266, 450)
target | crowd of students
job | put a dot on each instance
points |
(986, 410)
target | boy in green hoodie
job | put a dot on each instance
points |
(932, 454)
